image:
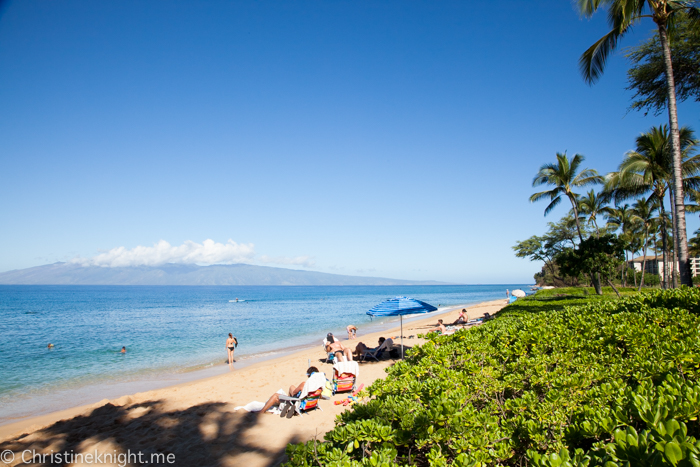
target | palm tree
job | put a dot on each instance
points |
(694, 244)
(648, 170)
(563, 176)
(592, 204)
(622, 16)
(643, 212)
(620, 217)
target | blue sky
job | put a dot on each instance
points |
(395, 139)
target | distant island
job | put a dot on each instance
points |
(185, 274)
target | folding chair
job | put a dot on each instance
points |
(308, 398)
(372, 354)
(300, 404)
(345, 376)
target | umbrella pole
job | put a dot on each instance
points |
(401, 336)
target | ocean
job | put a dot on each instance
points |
(171, 333)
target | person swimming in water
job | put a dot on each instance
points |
(123, 350)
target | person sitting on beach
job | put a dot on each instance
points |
(462, 318)
(294, 391)
(384, 344)
(439, 328)
(334, 346)
(352, 331)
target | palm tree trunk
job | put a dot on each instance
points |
(613, 287)
(674, 256)
(644, 258)
(594, 279)
(574, 206)
(680, 229)
(664, 283)
(656, 253)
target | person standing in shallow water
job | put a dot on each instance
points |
(231, 344)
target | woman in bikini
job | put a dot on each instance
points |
(231, 344)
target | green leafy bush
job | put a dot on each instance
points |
(604, 383)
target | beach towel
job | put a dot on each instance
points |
(347, 367)
(257, 406)
(315, 381)
(345, 376)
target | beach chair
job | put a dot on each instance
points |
(345, 376)
(308, 398)
(372, 354)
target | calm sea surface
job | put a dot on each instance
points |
(169, 331)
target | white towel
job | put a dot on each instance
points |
(315, 381)
(257, 406)
(254, 406)
(347, 367)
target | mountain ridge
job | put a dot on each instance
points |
(186, 274)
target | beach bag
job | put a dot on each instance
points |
(327, 390)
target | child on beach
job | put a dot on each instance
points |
(352, 331)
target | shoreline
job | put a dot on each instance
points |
(206, 404)
(68, 398)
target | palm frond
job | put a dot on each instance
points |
(694, 15)
(552, 205)
(592, 61)
(588, 7)
(551, 194)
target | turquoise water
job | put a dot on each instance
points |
(170, 330)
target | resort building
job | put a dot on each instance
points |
(655, 265)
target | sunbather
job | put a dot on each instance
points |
(439, 328)
(294, 391)
(338, 349)
(462, 318)
(384, 344)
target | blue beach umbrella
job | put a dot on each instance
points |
(401, 306)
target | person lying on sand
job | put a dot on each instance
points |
(294, 391)
(336, 347)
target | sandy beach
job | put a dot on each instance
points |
(195, 423)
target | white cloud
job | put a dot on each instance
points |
(305, 261)
(207, 252)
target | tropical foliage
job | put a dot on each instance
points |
(556, 379)
(623, 15)
(647, 77)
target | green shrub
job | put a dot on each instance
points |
(608, 382)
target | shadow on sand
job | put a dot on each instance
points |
(203, 435)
